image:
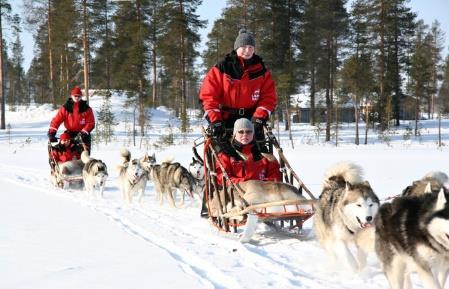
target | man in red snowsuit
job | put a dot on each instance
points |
(77, 116)
(239, 86)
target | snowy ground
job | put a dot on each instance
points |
(51, 238)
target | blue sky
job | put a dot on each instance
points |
(428, 10)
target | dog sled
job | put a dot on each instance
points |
(228, 207)
(67, 175)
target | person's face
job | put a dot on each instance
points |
(76, 98)
(244, 136)
(65, 142)
(246, 52)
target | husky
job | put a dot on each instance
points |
(169, 177)
(196, 169)
(95, 173)
(132, 177)
(346, 207)
(412, 234)
(254, 192)
(431, 182)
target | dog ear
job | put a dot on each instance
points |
(366, 183)
(441, 201)
(348, 186)
(428, 188)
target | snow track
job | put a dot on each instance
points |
(211, 257)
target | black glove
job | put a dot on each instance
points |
(52, 136)
(218, 129)
(85, 137)
(258, 128)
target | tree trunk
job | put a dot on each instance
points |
(366, 123)
(154, 66)
(183, 76)
(2, 88)
(382, 113)
(50, 56)
(356, 116)
(85, 51)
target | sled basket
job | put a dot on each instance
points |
(61, 180)
(220, 201)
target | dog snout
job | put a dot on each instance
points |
(369, 218)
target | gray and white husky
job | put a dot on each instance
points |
(169, 177)
(345, 209)
(132, 178)
(431, 182)
(95, 173)
(412, 235)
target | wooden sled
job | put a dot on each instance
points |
(224, 203)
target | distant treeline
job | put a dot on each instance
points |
(376, 54)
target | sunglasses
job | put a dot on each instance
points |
(245, 131)
(76, 95)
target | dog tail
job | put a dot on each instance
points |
(438, 176)
(85, 158)
(344, 172)
(125, 154)
(168, 160)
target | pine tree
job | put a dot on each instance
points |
(420, 72)
(357, 79)
(177, 49)
(5, 10)
(17, 74)
(105, 120)
(436, 39)
(443, 97)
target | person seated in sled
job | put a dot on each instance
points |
(238, 86)
(77, 116)
(67, 155)
(246, 162)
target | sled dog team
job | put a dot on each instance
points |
(409, 234)
(133, 175)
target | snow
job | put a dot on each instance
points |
(52, 239)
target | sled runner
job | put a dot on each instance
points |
(231, 207)
(67, 175)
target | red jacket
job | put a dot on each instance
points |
(255, 167)
(61, 154)
(237, 84)
(77, 116)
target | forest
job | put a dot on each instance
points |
(375, 55)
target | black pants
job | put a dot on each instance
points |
(87, 139)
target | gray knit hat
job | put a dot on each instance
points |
(244, 38)
(241, 124)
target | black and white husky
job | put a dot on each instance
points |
(132, 178)
(431, 182)
(95, 174)
(196, 169)
(345, 209)
(412, 235)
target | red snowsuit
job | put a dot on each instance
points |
(237, 86)
(255, 167)
(77, 117)
(62, 154)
